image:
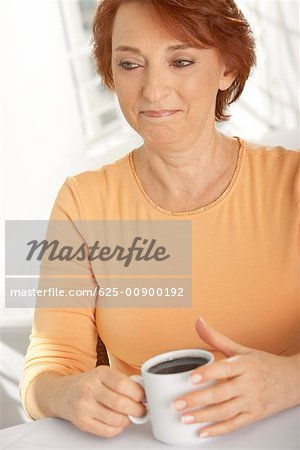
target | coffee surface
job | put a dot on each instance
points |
(178, 365)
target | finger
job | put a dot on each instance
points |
(120, 403)
(224, 411)
(214, 394)
(108, 416)
(218, 370)
(227, 426)
(218, 340)
(122, 384)
(98, 428)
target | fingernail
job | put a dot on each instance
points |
(187, 419)
(196, 378)
(204, 435)
(201, 319)
(179, 404)
(232, 358)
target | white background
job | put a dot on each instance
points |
(41, 138)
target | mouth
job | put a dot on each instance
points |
(159, 114)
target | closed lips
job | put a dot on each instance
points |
(159, 113)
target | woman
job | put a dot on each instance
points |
(175, 66)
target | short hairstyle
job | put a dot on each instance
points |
(202, 23)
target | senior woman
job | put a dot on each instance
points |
(175, 66)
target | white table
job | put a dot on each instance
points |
(281, 431)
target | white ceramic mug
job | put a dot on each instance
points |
(161, 390)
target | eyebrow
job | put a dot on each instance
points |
(126, 48)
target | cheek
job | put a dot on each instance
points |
(126, 91)
(201, 90)
(128, 99)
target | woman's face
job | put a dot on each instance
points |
(166, 88)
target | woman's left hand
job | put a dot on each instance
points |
(252, 384)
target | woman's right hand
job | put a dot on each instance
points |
(100, 400)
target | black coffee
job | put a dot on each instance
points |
(178, 365)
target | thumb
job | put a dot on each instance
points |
(217, 340)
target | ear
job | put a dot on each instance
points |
(227, 78)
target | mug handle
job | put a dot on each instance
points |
(139, 420)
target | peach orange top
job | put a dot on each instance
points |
(245, 269)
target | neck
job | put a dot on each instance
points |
(185, 171)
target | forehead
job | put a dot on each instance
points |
(135, 23)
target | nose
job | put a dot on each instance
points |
(156, 85)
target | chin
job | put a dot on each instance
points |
(160, 138)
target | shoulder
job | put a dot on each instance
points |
(81, 193)
(274, 167)
(260, 150)
(270, 153)
(272, 158)
(110, 172)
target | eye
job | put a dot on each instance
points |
(182, 63)
(128, 65)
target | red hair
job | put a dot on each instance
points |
(202, 23)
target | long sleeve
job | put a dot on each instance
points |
(63, 339)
